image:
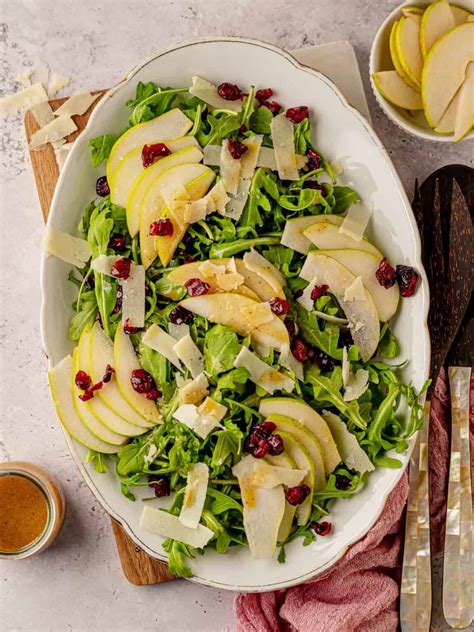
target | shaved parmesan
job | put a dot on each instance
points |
(305, 299)
(43, 113)
(59, 128)
(266, 157)
(207, 92)
(66, 247)
(248, 163)
(263, 513)
(78, 104)
(348, 446)
(345, 367)
(355, 291)
(230, 170)
(166, 525)
(356, 221)
(152, 450)
(337, 168)
(229, 281)
(211, 408)
(262, 374)
(288, 360)
(176, 197)
(41, 74)
(189, 355)
(259, 473)
(158, 340)
(61, 153)
(257, 314)
(24, 78)
(356, 385)
(104, 263)
(194, 495)
(26, 98)
(194, 391)
(57, 83)
(178, 331)
(133, 300)
(255, 262)
(283, 137)
(210, 270)
(202, 425)
(215, 200)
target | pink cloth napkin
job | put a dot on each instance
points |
(360, 593)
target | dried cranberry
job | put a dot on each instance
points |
(121, 268)
(236, 148)
(142, 381)
(262, 449)
(312, 184)
(181, 316)
(343, 482)
(291, 327)
(152, 153)
(87, 395)
(279, 306)
(97, 386)
(161, 486)
(102, 187)
(407, 279)
(314, 159)
(325, 362)
(321, 528)
(318, 291)
(385, 274)
(130, 329)
(296, 495)
(108, 374)
(263, 95)
(300, 350)
(242, 129)
(296, 115)
(229, 91)
(197, 287)
(118, 300)
(276, 444)
(267, 427)
(82, 380)
(345, 338)
(153, 395)
(273, 106)
(161, 228)
(117, 242)
(188, 259)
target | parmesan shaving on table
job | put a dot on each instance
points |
(24, 99)
(57, 83)
(24, 79)
(76, 105)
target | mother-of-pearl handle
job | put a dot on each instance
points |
(458, 576)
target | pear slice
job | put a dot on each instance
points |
(395, 60)
(196, 178)
(460, 15)
(59, 378)
(226, 309)
(172, 124)
(362, 314)
(407, 41)
(393, 88)
(131, 167)
(108, 403)
(125, 362)
(327, 236)
(284, 460)
(365, 265)
(302, 458)
(412, 10)
(297, 409)
(445, 70)
(257, 283)
(293, 236)
(464, 120)
(437, 20)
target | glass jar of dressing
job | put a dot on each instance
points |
(31, 510)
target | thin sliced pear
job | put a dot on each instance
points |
(365, 265)
(59, 378)
(172, 124)
(395, 60)
(297, 409)
(87, 417)
(257, 283)
(125, 362)
(445, 70)
(437, 20)
(293, 236)
(131, 167)
(393, 88)
(263, 513)
(464, 120)
(147, 178)
(362, 314)
(407, 41)
(460, 15)
(225, 309)
(412, 10)
(327, 236)
(108, 404)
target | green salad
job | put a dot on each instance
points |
(234, 354)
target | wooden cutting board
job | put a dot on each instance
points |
(139, 568)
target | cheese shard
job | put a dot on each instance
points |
(190, 355)
(345, 367)
(215, 200)
(202, 425)
(26, 99)
(283, 137)
(355, 291)
(229, 281)
(194, 391)
(255, 262)
(209, 269)
(57, 83)
(211, 408)
(356, 220)
(207, 92)
(248, 162)
(55, 130)
(262, 374)
(158, 340)
(61, 153)
(305, 299)
(266, 157)
(43, 113)
(348, 446)
(288, 361)
(133, 300)
(104, 263)
(356, 385)
(71, 249)
(166, 525)
(24, 79)
(230, 170)
(257, 314)
(178, 331)
(78, 104)
(194, 495)
(259, 473)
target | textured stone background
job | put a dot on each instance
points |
(78, 585)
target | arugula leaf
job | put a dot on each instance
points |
(142, 92)
(125, 491)
(177, 554)
(222, 502)
(344, 197)
(220, 125)
(98, 461)
(260, 120)
(222, 251)
(166, 287)
(158, 367)
(247, 108)
(100, 148)
(154, 105)
(388, 345)
(85, 315)
(221, 347)
(303, 136)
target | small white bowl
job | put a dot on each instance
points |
(380, 59)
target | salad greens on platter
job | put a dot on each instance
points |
(234, 354)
